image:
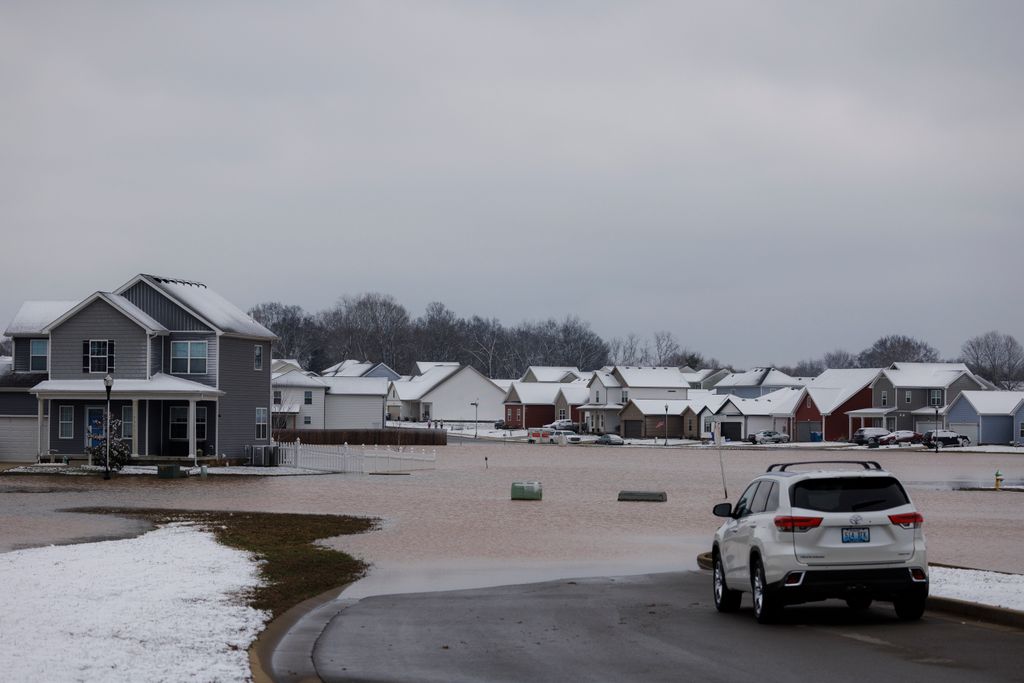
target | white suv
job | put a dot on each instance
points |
(805, 535)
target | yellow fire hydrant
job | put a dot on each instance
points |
(999, 480)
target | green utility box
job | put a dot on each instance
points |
(168, 471)
(526, 490)
(644, 496)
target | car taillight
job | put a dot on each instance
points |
(787, 523)
(908, 520)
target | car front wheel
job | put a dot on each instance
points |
(766, 603)
(726, 599)
(964, 442)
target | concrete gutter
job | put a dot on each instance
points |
(960, 608)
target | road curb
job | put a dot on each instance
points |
(961, 608)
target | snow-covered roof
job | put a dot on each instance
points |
(551, 373)
(780, 402)
(423, 366)
(711, 402)
(34, 316)
(533, 393)
(696, 376)
(296, 378)
(348, 368)
(356, 386)
(208, 305)
(504, 384)
(414, 388)
(605, 378)
(651, 377)
(650, 406)
(758, 377)
(575, 394)
(119, 303)
(834, 387)
(993, 402)
(284, 365)
(126, 388)
(925, 375)
(601, 406)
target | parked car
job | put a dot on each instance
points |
(768, 436)
(846, 530)
(610, 440)
(560, 424)
(553, 437)
(501, 424)
(900, 436)
(945, 437)
(574, 438)
(866, 434)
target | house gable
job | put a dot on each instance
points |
(162, 308)
(98, 320)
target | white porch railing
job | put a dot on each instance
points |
(358, 459)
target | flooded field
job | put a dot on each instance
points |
(455, 526)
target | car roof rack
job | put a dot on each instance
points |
(866, 464)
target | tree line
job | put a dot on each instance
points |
(376, 327)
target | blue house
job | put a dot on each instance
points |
(190, 371)
(988, 417)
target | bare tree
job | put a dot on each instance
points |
(666, 348)
(483, 343)
(839, 359)
(580, 346)
(810, 367)
(997, 357)
(630, 350)
(372, 327)
(298, 336)
(437, 334)
(897, 348)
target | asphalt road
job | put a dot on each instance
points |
(660, 627)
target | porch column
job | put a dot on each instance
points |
(192, 430)
(39, 432)
(135, 427)
(849, 431)
(149, 406)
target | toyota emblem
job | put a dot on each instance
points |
(856, 519)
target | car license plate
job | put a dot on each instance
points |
(856, 534)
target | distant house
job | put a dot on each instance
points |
(756, 382)
(648, 418)
(610, 391)
(987, 417)
(446, 392)
(569, 399)
(548, 373)
(910, 395)
(831, 398)
(422, 367)
(356, 368)
(355, 402)
(530, 404)
(298, 399)
(740, 417)
(703, 379)
(190, 370)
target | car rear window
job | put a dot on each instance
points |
(849, 494)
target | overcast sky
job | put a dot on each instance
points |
(766, 180)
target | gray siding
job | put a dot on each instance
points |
(996, 429)
(962, 411)
(244, 390)
(18, 403)
(163, 310)
(98, 320)
(156, 355)
(379, 371)
(22, 349)
(212, 360)
(965, 383)
(1018, 426)
(883, 384)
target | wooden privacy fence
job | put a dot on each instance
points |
(366, 437)
(358, 459)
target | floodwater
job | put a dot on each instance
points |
(455, 526)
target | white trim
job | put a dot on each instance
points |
(131, 422)
(189, 358)
(105, 357)
(264, 423)
(32, 355)
(62, 422)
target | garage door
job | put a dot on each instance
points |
(922, 426)
(732, 430)
(18, 440)
(804, 429)
(632, 429)
(968, 429)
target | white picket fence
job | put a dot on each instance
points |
(357, 459)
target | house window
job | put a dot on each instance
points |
(906, 396)
(257, 357)
(598, 399)
(179, 423)
(307, 420)
(67, 423)
(935, 397)
(37, 349)
(707, 424)
(307, 398)
(277, 397)
(261, 423)
(126, 422)
(97, 355)
(188, 357)
(561, 413)
(885, 398)
(1022, 430)
(625, 396)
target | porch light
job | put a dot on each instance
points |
(108, 383)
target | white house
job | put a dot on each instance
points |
(446, 392)
(355, 402)
(739, 417)
(298, 400)
(610, 391)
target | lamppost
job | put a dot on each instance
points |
(476, 417)
(108, 382)
(666, 424)
(935, 432)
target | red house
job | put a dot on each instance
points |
(530, 404)
(829, 398)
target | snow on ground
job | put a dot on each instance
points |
(992, 449)
(48, 468)
(987, 588)
(165, 606)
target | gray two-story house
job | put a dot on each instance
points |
(190, 371)
(915, 396)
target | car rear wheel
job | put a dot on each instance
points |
(909, 607)
(726, 599)
(766, 603)
(938, 444)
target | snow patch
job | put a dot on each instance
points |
(986, 588)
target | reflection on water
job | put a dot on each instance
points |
(456, 526)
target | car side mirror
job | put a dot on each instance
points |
(722, 510)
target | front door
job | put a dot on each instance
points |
(93, 426)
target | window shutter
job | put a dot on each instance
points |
(110, 355)
(85, 355)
